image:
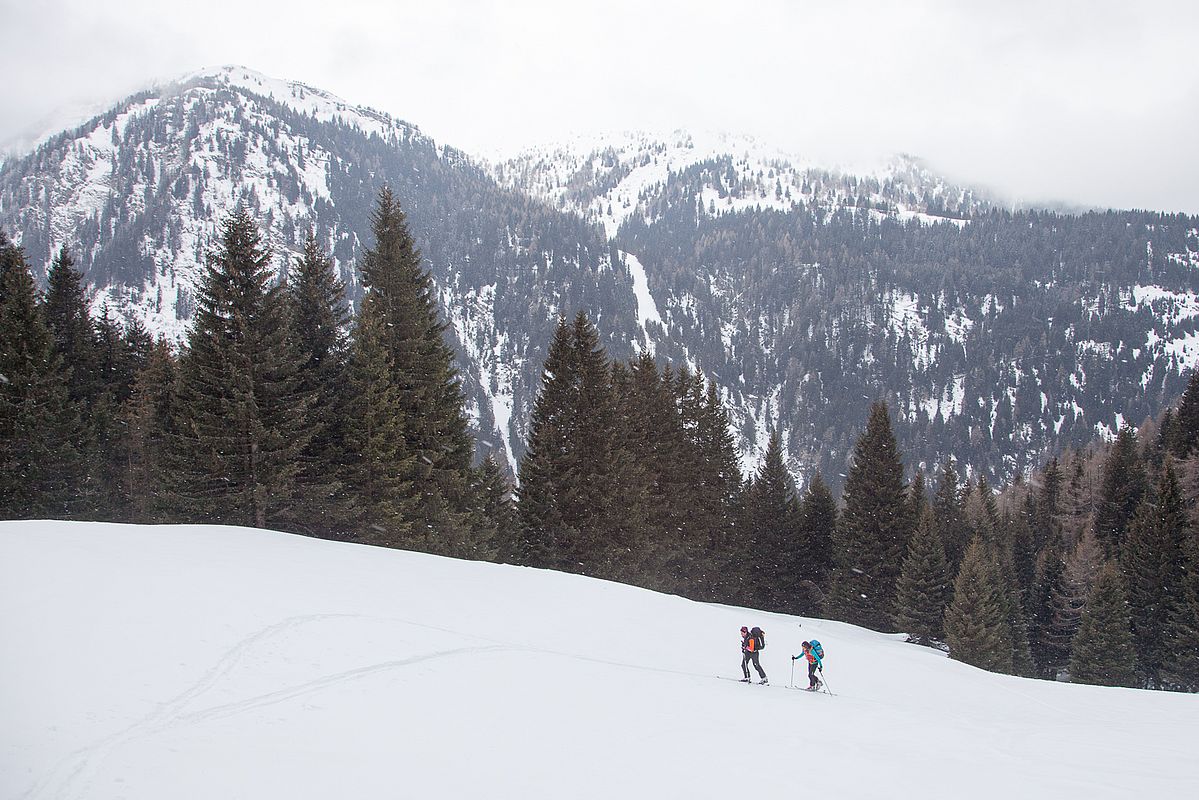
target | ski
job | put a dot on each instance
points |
(821, 690)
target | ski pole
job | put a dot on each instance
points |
(830, 691)
(791, 685)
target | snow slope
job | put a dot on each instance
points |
(206, 662)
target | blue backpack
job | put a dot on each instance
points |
(817, 649)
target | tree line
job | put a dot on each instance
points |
(282, 411)
(271, 414)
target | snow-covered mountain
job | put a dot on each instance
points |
(138, 194)
(804, 291)
(614, 177)
(201, 662)
(992, 331)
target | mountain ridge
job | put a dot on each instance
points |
(997, 335)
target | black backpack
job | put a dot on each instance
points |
(760, 636)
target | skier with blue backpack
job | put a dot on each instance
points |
(814, 653)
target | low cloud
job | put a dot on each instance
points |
(1089, 103)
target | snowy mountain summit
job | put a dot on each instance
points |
(147, 662)
(609, 178)
(803, 292)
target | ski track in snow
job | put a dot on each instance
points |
(71, 778)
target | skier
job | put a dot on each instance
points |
(815, 656)
(752, 643)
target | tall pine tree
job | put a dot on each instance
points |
(949, 516)
(976, 624)
(817, 528)
(40, 463)
(544, 530)
(319, 318)
(376, 500)
(240, 421)
(776, 561)
(722, 498)
(146, 417)
(1154, 565)
(1102, 651)
(924, 589)
(873, 530)
(1123, 487)
(401, 293)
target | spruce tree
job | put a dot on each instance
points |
(777, 561)
(1167, 437)
(982, 512)
(696, 487)
(1047, 525)
(817, 528)
(1079, 505)
(1154, 565)
(499, 508)
(124, 352)
(401, 293)
(40, 464)
(121, 354)
(657, 522)
(145, 418)
(723, 498)
(923, 591)
(641, 549)
(917, 497)
(1021, 534)
(873, 530)
(1186, 421)
(593, 460)
(1102, 651)
(376, 500)
(319, 318)
(1181, 669)
(976, 625)
(1124, 483)
(77, 347)
(70, 323)
(995, 531)
(1068, 600)
(240, 422)
(1049, 656)
(949, 516)
(543, 527)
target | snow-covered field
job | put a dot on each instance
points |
(208, 662)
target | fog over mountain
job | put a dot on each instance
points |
(1090, 105)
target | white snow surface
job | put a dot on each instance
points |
(647, 309)
(205, 662)
(633, 167)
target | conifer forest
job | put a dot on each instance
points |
(287, 407)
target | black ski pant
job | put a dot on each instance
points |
(812, 679)
(746, 658)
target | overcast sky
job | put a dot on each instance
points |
(1087, 102)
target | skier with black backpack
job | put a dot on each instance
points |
(752, 643)
(814, 653)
